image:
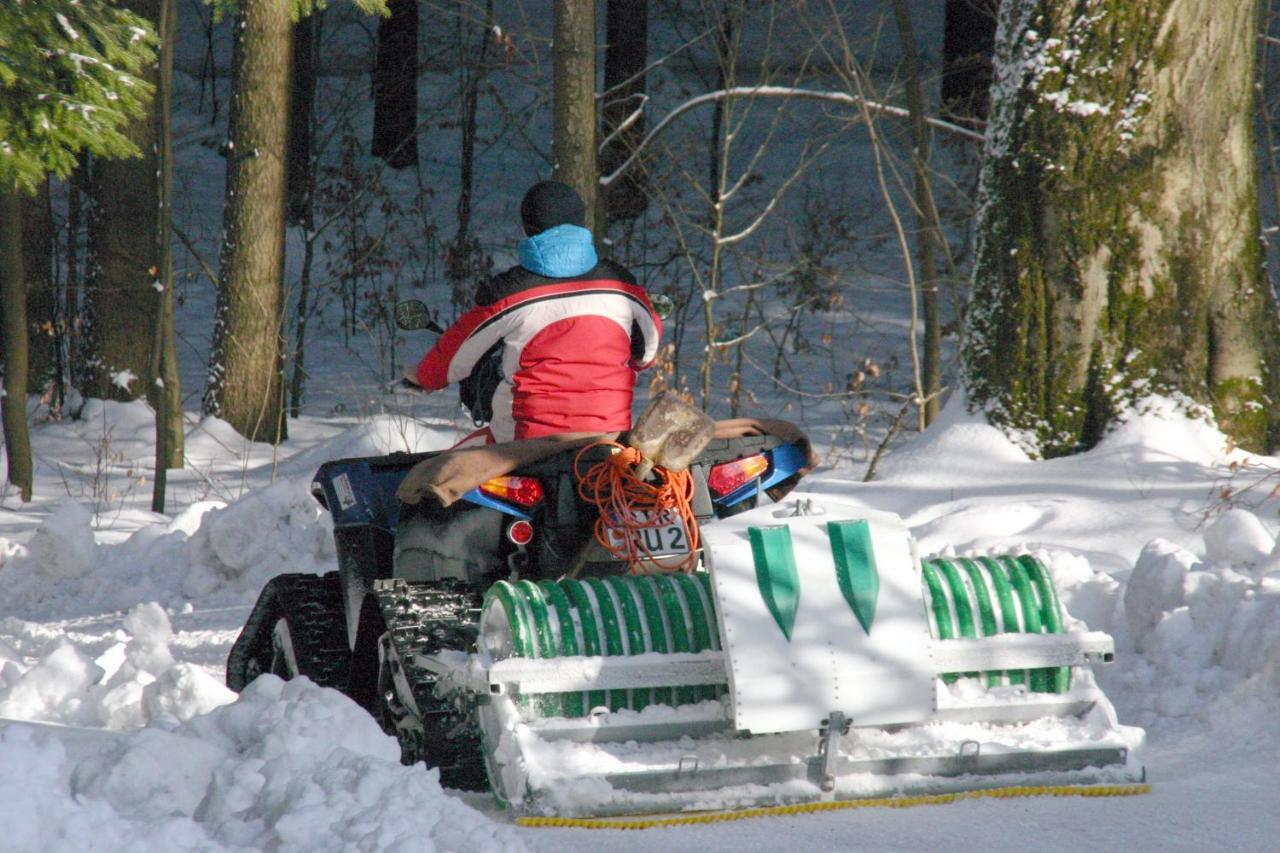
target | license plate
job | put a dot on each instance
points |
(658, 535)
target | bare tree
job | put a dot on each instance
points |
(166, 388)
(928, 233)
(574, 147)
(13, 294)
(245, 384)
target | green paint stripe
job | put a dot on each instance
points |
(618, 699)
(575, 704)
(987, 616)
(1008, 610)
(776, 575)
(679, 633)
(644, 588)
(592, 636)
(856, 571)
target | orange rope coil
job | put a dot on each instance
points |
(627, 504)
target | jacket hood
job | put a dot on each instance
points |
(560, 252)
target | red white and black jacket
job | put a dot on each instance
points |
(570, 349)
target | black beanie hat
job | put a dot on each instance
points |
(551, 203)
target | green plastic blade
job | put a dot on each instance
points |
(776, 574)
(856, 568)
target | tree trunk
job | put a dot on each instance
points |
(166, 388)
(1118, 248)
(574, 144)
(625, 55)
(395, 86)
(13, 296)
(302, 102)
(123, 255)
(968, 40)
(42, 295)
(245, 386)
(928, 234)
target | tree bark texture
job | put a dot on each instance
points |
(42, 294)
(13, 333)
(166, 387)
(245, 386)
(968, 40)
(395, 86)
(124, 259)
(625, 55)
(1118, 246)
(574, 67)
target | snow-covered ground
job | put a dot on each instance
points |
(117, 734)
(120, 736)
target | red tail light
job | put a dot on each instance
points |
(731, 476)
(520, 532)
(521, 491)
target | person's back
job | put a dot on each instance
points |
(572, 331)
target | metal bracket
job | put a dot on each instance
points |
(833, 728)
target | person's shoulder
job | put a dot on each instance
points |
(503, 284)
(613, 271)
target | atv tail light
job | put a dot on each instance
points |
(521, 491)
(728, 477)
(520, 532)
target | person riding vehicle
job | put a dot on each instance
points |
(554, 344)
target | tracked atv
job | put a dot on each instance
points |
(813, 655)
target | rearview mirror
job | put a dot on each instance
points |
(412, 315)
(662, 305)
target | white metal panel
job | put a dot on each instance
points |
(829, 663)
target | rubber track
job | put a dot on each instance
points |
(312, 606)
(424, 618)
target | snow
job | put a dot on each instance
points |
(116, 732)
(121, 734)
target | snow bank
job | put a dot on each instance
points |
(219, 555)
(289, 766)
(133, 682)
(1207, 629)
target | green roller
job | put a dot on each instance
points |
(551, 704)
(939, 608)
(985, 612)
(613, 644)
(521, 632)
(1008, 608)
(643, 588)
(698, 615)
(960, 598)
(1031, 622)
(1025, 601)
(679, 635)
(640, 698)
(611, 616)
(575, 704)
(592, 642)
